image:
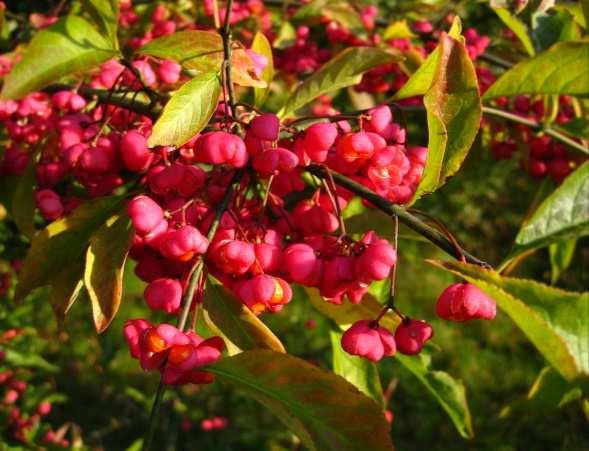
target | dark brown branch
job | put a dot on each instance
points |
(388, 207)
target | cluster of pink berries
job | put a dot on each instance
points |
(176, 354)
(250, 253)
(338, 267)
(459, 302)
(79, 151)
(262, 244)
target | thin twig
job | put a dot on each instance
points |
(536, 126)
(225, 32)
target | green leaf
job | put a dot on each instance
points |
(345, 69)
(398, 29)
(449, 392)
(105, 14)
(325, 411)
(518, 27)
(555, 321)
(540, 74)
(561, 255)
(203, 51)
(23, 201)
(348, 313)
(56, 255)
(105, 263)
(453, 114)
(227, 316)
(360, 372)
(262, 46)
(565, 213)
(71, 45)
(552, 26)
(187, 112)
(422, 79)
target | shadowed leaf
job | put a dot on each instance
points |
(105, 263)
(56, 255)
(23, 201)
(324, 410)
(449, 392)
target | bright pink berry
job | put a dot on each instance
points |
(265, 292)
(182, 244)
(320, 137)
(234, 256)
(164, 294)
(169, 71)
(221, 148)
(181, 179)
(355, 146)
(275, 160)
(411, 335)
(376, 261)
(132, 331)
(135, 154)
(464, 301)
(380, 118)
(302, 265)
(44, 408)
(368, 340)
(265, 126)
(145, 214)
(11, 396)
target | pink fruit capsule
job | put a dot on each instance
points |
(145, 214)
(265, 126)
(368, 340)
(411, 335)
